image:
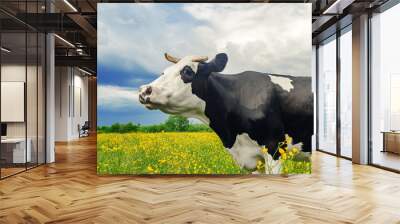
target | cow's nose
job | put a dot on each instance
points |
(144, 95)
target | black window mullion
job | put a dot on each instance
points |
(369, 91)
(45, 94)
(37, 90)
(26, 86)
(45, 88)
(317, 96)
(338, 76)
(73, 92)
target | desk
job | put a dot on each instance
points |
(391, 141)
(17, 151)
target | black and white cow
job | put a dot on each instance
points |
(246, 110)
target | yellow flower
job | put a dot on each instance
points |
(284, 157)
(295, 150)
(162, 161)
(260, 165)
(150, 169)
(264, 150)
(281, 151)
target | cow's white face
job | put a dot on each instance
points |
(170, 94)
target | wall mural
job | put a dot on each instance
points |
(204, 88)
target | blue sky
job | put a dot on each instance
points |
(132, 38)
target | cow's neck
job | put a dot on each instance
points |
(209, 90)
(199, 86)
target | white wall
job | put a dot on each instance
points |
(62, 82)
(70, 84)
(81, 94)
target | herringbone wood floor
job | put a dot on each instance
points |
(69, 191)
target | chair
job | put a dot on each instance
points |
(84, 130)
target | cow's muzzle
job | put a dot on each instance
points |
(144, 94)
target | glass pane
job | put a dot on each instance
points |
(13, 86)
(41, 98)
(31, 98)
(386, 89)
(327, 96)
(23, 90)
(346, 94)
(31, 88)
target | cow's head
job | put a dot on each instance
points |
(172, 91)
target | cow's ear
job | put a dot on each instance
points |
(187, 74)
(219, 62)
(216, 65)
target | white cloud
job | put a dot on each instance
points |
(116, 98)
(261, 37)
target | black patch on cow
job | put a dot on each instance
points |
(249, 102)
(216, 65)
(205, 68)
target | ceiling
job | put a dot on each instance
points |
(75, 22)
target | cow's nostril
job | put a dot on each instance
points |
(142, 98)
(148, 90)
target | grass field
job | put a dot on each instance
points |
(170, 153)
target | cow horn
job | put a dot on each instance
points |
(200, 59)
(171, 58)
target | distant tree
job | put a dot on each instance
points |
(199, 127)
(152, 128)
(177, 123)
(107, 129)
(116, 127)
(129, 127)
(103, 129)
(173, 123)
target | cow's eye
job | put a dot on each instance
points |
(187, 74)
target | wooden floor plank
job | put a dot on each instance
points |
(69, 191)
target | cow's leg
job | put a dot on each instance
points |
(244, 159)
(249, 160)
(272, 166)
(245, 151)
